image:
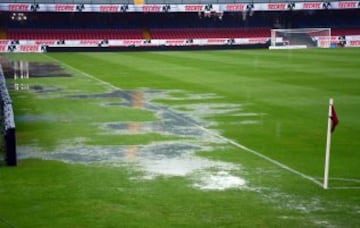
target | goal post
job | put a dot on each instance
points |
(300, 38)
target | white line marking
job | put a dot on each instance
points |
(279, 164)
(345, 187)
(342, 179)
(354, 180)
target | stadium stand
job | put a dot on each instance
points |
(210, 33)
(162, 25)
(345, 32)
(72, 34)
(171, 25)
(18, 34)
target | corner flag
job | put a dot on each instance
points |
(333, 120)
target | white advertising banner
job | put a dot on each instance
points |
(40, 45)
(157, 8)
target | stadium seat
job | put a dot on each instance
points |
(209, 33)
(71, 34)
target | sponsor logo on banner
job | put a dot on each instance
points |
(19, 7)
(334, 38)
(89, 42)
(175, 42)
(196, 8)
(152, 8)
(312, 5)
(235, 7)
(109, 8)
(355, 37)
(45, 42)
(277, 6)
(216, 41)
(3, 48)
(65, 8)
(260, 40)
(347, 5)
(4, 42)
(354, 43)
(29, 48)
(132, 42)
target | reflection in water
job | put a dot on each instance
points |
(132, 152)
(137, 102)
(26, 69)
(21, 69)
(137, 99)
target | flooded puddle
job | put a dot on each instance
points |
(153, 160)
(177, 157)
(25, 69)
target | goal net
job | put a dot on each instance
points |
(300, 38)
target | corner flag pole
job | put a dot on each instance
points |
(328, 144)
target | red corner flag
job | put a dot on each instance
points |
(334, 119)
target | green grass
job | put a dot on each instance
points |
(290, 88)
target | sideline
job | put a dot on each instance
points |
(353, 180)
(224, 139)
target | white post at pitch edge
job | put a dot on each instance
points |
(328, 144)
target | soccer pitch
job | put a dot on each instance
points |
(184, 139)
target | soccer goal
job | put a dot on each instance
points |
(300, 38)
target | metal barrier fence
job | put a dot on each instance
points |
(8, 123)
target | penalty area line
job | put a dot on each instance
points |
(224, 139)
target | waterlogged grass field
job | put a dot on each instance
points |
(185, 139)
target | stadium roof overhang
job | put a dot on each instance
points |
(171, 6)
